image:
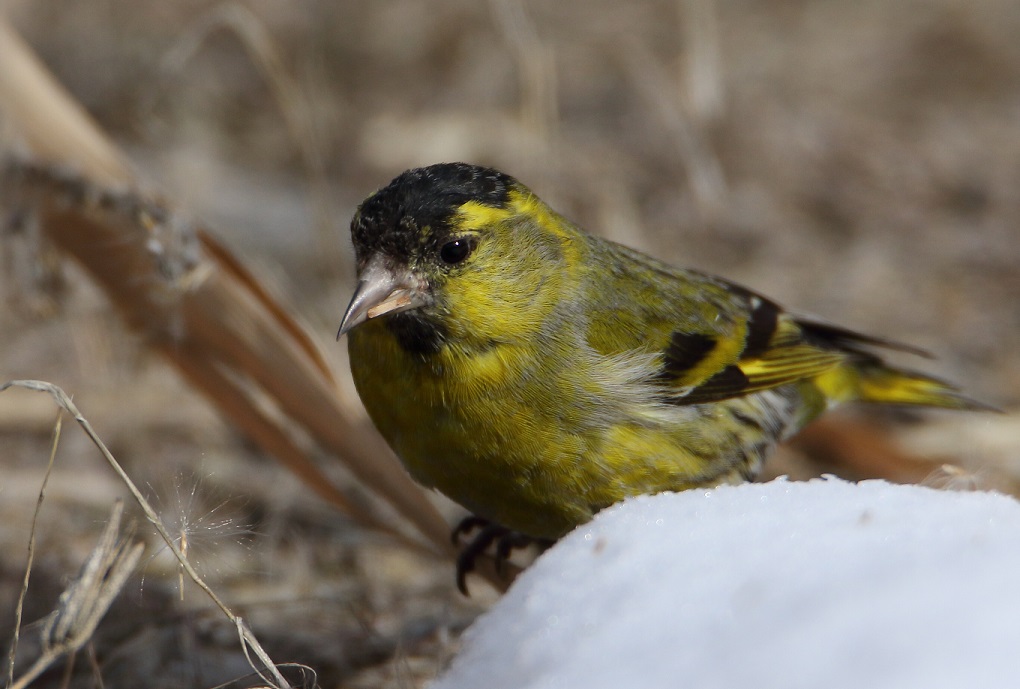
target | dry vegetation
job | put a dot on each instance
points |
(860, 161)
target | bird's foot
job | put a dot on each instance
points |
(489, 533)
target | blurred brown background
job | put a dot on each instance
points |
(857, 161)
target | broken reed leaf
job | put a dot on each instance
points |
(170, 238)
(85, 601)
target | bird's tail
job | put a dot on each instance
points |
(865, 377)
(877, 382)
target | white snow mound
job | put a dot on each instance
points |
(823, 584)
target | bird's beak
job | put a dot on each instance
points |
(380, 291)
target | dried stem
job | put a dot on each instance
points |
(19, 609)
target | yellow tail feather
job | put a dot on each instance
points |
(882, 384)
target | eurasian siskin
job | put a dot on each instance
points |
(535, 373)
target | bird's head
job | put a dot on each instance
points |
(455, 251)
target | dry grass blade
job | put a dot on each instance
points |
(187, 298)
(85, 601)
(19, 608)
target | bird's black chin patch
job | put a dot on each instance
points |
(416, 334)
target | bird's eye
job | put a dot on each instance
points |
(456, 251)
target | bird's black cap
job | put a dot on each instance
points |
(391, 219)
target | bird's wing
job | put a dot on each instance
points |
(718, 340)
(771, 350)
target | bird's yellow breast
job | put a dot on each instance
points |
(476, 428)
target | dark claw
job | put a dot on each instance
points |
(505, 546)
(475, 547)
(506, 542)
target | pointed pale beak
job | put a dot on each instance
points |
(380, 291)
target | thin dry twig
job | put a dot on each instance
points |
(97, 675)
(19, 608)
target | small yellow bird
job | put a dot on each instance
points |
(535, 373)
